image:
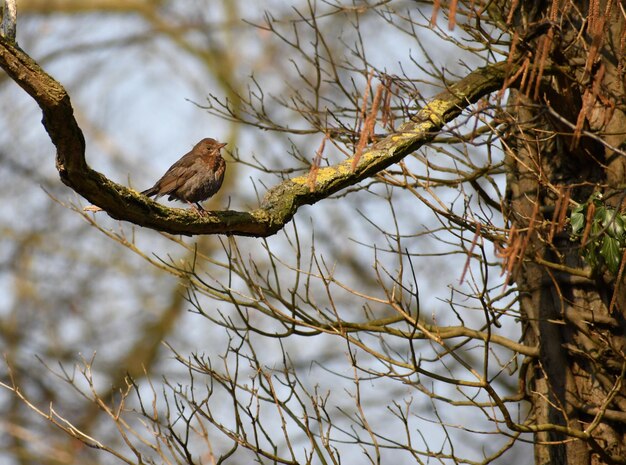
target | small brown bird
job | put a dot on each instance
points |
(197, 176)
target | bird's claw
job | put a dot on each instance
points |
(196, 207)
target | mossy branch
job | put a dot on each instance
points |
(280, 203)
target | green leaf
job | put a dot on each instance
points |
(611, 253)
(616, 227)
(602, 216)
(607, 238)
(577, 220)
(606, 216)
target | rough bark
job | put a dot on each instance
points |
(576, 386)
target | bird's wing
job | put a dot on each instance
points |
(185, 161)
(176, 175)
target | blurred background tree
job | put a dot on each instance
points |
(455, 293)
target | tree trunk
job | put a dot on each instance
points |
(564, 127)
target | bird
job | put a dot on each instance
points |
(197, 176)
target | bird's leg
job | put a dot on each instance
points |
(197, 208)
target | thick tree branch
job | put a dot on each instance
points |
(280, 203)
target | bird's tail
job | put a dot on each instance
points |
(150, 192)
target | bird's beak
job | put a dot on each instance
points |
(223, 145)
